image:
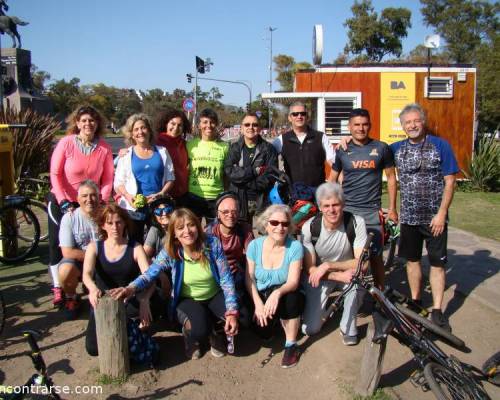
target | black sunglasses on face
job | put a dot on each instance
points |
(296, 114)
(274, 222)
(248, 124)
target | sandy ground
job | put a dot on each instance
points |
(327, 369)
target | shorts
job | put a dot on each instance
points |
(72, 261)
(373, 225)
(411, 243)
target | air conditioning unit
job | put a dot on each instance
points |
(438, 87)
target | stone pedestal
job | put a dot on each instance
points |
(17, 65)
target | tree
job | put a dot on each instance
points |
(372, 37)
(464, 24)
(39, 78)
(286, 68)
(488, 63)
(65, 95)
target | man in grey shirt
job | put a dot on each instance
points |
(77, 230)
(330, 260)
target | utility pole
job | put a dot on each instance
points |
(271, 30)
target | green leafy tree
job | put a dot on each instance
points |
(286, 68)
(372, 37)
(488, 63)
(464, 24)
(65, 95)
(39, 78)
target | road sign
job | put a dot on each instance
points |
(188, 105)
(258, 114)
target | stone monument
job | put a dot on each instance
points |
(16, 71)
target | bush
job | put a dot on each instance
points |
(484, 167)
(32, 145)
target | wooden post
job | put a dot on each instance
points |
(371, 364)
(112, 340)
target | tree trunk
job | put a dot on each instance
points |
(112, 341)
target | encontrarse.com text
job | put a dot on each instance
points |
(35, 389)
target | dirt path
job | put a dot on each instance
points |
(327, 369)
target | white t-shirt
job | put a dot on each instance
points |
(77, 230)
(334, 245)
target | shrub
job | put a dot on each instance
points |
(32, 145)
(484, 167)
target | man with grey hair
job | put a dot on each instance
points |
(77, 230)
(426, 169)
(303, 149)
(333, 241)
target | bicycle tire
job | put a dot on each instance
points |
(448, 384)
(39, 208)
(24, 235)
(432, 327)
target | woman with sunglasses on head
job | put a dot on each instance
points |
(172, 127)
(203, 289)
(145, 170)
(274, 263)
(81, 155)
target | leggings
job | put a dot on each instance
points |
(202, 315)
(54, 220)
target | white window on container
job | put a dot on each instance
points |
(337, 115)
(438, 87)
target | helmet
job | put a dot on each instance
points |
(274, 195)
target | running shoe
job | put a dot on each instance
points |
(58, 299)
(290, 357)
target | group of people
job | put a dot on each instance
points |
(199, 263)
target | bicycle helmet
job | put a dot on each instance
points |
(274, 195)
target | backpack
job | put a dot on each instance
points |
(349, 227)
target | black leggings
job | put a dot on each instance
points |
(202, 315)
(290, 306)
(54, 222)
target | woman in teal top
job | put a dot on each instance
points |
(274, 262)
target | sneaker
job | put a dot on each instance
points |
(71, 308)
(290, 357)
(218, 346)
(440, 320)
(416, 306)
(58, 300)
(349, 340)
(192, 350)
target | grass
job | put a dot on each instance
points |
(475, 212)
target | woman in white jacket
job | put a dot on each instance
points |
(145, 169)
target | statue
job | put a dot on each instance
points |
(8, 24)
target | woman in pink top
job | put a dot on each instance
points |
(82, 154)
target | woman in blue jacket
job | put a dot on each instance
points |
(203, 289)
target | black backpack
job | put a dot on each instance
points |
(349, 227)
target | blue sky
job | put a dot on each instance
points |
(152, 43)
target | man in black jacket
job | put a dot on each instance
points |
(246, 167)
(303, 149)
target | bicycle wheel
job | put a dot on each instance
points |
(19, 233)
(431, 326)
(39, 208)
(448, 384)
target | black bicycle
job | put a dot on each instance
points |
(40, 379)
(19, 230)
(36, 190)
(446, 376)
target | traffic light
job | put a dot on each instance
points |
(248, 107)
(189, 77)
(200, 65)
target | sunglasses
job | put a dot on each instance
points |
(163, 211)
(253, 125)
(301, 113)
(227, 212)
(274, 222)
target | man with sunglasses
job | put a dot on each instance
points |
(362, 163)
(303, 149)
(246, 168)
(426, 169)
